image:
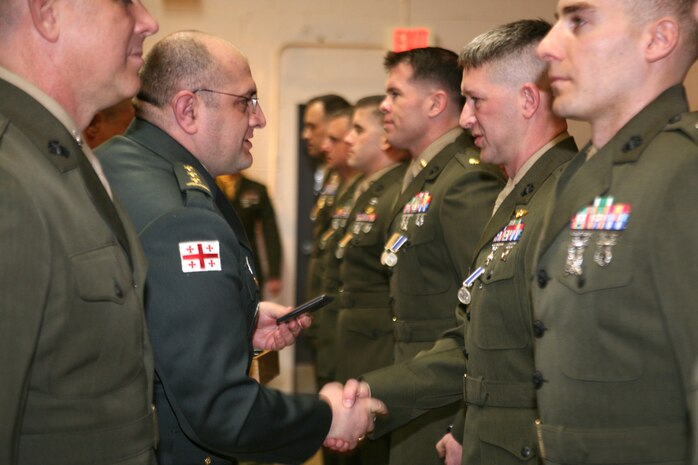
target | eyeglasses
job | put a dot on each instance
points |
(252, 102)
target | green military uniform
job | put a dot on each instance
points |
(440, 215)
(321, 216)
(615, 296)
(498, 328)
(75, 355)
(253, 205)
(325, 320)
(201, 308)
(364, 325)
(496, 333)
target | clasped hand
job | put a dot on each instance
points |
(353, 413)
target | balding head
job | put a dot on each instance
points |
(186, 60)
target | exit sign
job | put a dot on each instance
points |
(407, 38)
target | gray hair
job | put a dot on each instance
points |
(511, 50)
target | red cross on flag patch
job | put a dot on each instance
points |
(200, 256)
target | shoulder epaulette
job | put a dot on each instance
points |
(189, 178)
(196, 192)
(686, 123)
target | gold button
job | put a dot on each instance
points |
(207, 460)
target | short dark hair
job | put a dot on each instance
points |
(372, 101)
(432, 64)
(331, 103)
(345, 112)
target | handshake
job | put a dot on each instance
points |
(353, 413)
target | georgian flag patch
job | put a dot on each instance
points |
(200, 256)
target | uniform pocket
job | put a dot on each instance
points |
(100, 347)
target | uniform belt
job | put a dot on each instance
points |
(421, 331)
(364, 299)
(480, 392)
(89, 447)
(650, 444)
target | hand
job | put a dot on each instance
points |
(349, 425)
(270, 336)
(450, 450)
(273, 286)
(354, 389)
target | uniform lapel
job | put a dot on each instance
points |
(59, 147)
(582, 181)
(527, 187)
(429, 173)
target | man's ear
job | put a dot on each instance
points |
(529, 98)
(663, 37)
(437, 103)
(186, 107)
(44, 14)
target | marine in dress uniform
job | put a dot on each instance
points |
(73, 330)
(617, 262)
(625, 343)
(75, 357)
(434, 231)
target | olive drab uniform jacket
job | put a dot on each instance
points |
(493, 343)
(75, 359)
(436, 224)
(201, 309)
(615, 294)
(365, 326)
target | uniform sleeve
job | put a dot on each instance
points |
(24, 277)
(200, 324)
(270, 232)
(432, 379)
(467, 207)
(674, 264)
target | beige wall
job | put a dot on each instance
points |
(300, 48)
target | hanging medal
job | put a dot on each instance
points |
(464, 295)
(392, 247)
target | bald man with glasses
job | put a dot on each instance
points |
(196, 115)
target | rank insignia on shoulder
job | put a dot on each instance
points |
(200, 256)
(473, 161)
(194, 179)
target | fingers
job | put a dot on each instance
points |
(354, 389)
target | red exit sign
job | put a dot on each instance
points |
(407, 38)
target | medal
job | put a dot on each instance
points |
(389, 255)
(603, 216)
(464, 293)
(342, 245)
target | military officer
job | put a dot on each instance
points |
(508, 110)
(501, 73)
(326, 183)
(336, 152)
(202, 303)
(614, 292)
(251, 202)
(364, 326)
(75, 355)
(446, 200)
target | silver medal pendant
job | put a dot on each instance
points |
(464, 295)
